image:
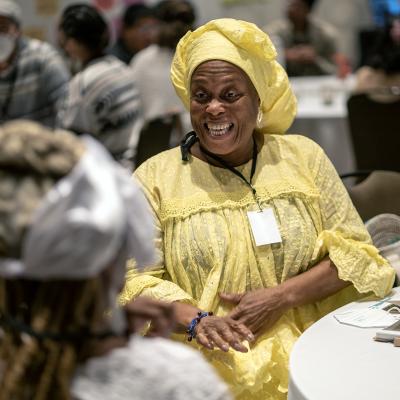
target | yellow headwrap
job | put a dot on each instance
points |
(246, 46)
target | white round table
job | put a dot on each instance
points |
(332, 361)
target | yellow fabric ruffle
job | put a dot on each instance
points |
(249, 48)
(206, 247)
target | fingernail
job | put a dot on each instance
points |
(237, 346)
(250, 337)
(225, 347)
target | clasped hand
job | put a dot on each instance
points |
(259, 309)
(254, 312)
(222, 332)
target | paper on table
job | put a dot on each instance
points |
(371, 317)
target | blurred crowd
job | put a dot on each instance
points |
(115, 90)
(53, 101)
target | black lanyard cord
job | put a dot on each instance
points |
(238, 173)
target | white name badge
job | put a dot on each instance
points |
(264, 227)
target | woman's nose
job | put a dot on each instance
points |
(215, 107)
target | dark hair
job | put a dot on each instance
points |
(385, 54)
(175, 10)
(178, 17)
(86, 25)
(309, 3)
(135, 12)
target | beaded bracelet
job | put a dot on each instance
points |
(191, 330)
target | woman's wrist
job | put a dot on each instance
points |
(184, 314)
(284, 296)
(192, 327)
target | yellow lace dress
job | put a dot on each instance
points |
(206, 247)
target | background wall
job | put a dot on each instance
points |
(40, 16)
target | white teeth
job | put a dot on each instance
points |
(218, 129)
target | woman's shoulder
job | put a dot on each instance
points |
(171, 157)
(167, 163)
(296, 152)
(149, 368)
(296, 144)
(194, 378)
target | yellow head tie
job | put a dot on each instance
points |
(246, 46)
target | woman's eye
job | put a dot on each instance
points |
(200, 96)
(231, 95)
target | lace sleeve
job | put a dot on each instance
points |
(151, 282)
(345, 237)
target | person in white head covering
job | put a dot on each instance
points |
(70, 218)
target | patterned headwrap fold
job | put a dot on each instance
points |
(246, 46)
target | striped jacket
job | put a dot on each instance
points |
(102, 100)
(33, 84)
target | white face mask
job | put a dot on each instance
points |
(7, 45)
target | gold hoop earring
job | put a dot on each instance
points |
(259, 118)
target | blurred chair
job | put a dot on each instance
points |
(375, 132)
(155, 137)
(385, 234)
(379, 193)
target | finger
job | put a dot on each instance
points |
(236, 343)
(218, 340)
(204, 341)
(160, 327)
(243, 331)
(231, 297)
(163, 325)
(229, 336)
(144, 309)
(136, 325)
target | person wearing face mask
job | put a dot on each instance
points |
(33, 76)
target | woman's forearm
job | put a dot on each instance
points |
(317, 283)
(184, 313)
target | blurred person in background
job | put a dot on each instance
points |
(138, 30)
(151, 66)
(102, 98)
(380, 77)
(70, 217)
(309, 44)
(33, 76)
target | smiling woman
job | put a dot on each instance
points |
(257, 235)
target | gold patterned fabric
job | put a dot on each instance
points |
(245, 45)
(206, 247)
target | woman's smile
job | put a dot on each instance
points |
(219, 130)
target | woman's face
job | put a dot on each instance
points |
(224, 108)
